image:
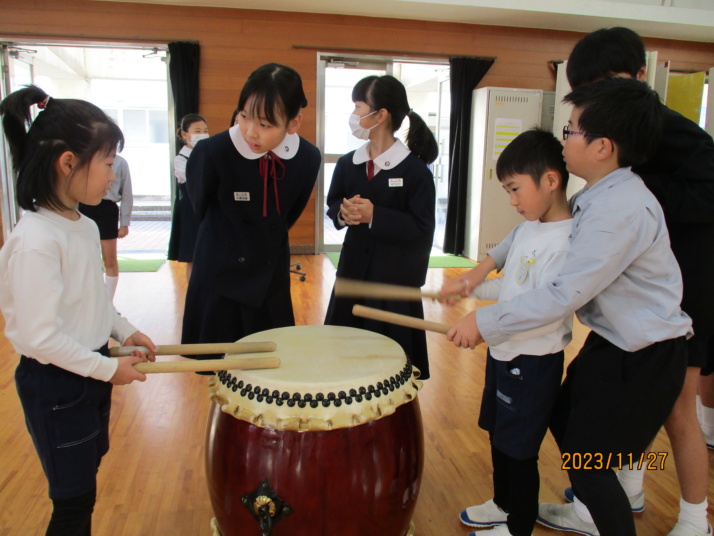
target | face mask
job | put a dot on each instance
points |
(195, 138)
(358, 131)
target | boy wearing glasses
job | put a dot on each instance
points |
(681, 176)
(623, 281)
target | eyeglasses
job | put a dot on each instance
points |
(567, 132)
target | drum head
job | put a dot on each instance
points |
(329, 377)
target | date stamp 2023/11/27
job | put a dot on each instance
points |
(599, 460)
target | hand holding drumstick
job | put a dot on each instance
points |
(466, 283)
(126, 373)
(465, 333)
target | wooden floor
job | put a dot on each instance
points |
(152, 481)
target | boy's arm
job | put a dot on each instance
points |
(466, 283)
(601, 249)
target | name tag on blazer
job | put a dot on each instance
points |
(241, 196)
(396, 183)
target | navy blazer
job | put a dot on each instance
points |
(238, 249)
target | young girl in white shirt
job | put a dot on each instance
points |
(58, 315)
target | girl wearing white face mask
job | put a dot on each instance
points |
(383, 194)
(184, 225)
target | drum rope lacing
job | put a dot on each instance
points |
(296, 399)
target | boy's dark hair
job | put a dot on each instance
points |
(63, 125)
(627, 112)
(389, 93)
(186, 122)
(533, 152)
(275, 89)
(604, 53)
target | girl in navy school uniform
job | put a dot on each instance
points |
(52, 295)
(384, 195)
(184, 226)
(248, 186)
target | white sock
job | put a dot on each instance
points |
(631, 479)
(582, 511)
(694, 514)
(708, 422)
(111, 283)
(699, 410)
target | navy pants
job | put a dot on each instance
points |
(516, 407)
(67, 416)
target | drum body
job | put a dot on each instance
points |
(341, 460)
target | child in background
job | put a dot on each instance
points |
(384, 195)
(622, 279)
(107, 214)
(523, 374)
(184, 226)
(248, 186)
(56, 309)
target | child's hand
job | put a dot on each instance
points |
(349, 212)
(125, 372)
(465, 333)
(454, 289)
(364, 210)
(140, 339)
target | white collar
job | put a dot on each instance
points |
(285, 150)
(185, 150)
(387, 160)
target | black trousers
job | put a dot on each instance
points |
(611, 406)
(72, 517)
(516, 484)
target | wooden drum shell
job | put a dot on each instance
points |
(355, 481)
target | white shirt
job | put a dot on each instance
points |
(387, 160)
(121, 190)
(620, 274)
(180, 164)
(536, 252)
(285, 150)
(52, 294)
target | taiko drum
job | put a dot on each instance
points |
(330, 443)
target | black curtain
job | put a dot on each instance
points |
(465, 75)
(183, 71)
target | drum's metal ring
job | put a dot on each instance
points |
(296, 399)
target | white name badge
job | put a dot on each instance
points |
(396, 183)
(241, 196)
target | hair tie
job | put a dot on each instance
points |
(43, 104)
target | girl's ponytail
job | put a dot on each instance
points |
(17, 118)
(63, 125)
(420, 139)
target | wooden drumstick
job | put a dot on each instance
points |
(352, 288)
(209, 365)
(400, 320)
(197, 349)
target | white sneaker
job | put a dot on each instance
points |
(685, 529)
(487, 514)
(637, 501)
(564, 517)
(500, 530)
